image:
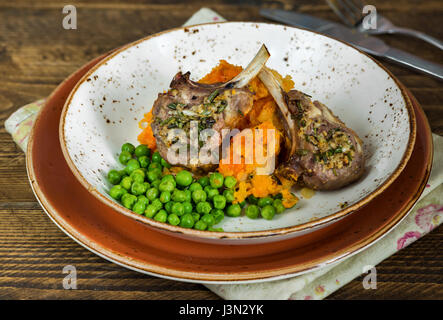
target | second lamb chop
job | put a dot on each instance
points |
(321, 151)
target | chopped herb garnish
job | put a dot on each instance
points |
(172, 106)
(213, 95)
(222, 106)
(302, 152)
(299, 106)
(324, 157)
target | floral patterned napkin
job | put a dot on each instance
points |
(425, 216)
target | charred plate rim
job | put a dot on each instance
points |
(192, 277)
(238, 235)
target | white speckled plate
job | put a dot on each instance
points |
(105, 107)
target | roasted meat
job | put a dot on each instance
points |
(320, 151)
(216, 106)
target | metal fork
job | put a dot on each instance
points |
(351, 12)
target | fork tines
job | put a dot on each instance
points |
(350, 11)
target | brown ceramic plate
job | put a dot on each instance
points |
(132, 244)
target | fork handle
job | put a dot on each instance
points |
(414, 62)
(417, 34)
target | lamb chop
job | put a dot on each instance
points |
(321, 152)
(215, 106)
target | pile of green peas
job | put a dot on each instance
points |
(181, 200)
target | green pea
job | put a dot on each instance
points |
(139, 207)
(164, 163)
(203, 207)
(188, 207)
(278, 205)
(252, 211)
(126, 183)
(234, 210)
(117, 192)
(187, 221)
(157, 203)
(142, 150)
(144, 161)
(218, 215)
(208, 219)
(229, 195)
(156, 183)
(167, 186)
(161, 216)
(152, 194)
(150, 211)
(178, 196)
(114, 177)
(195, 186)
(212, 193)
(268, 212)
(138, 188)
(165, 196)
(132, 165)
(230, 182)
(128, 200)
(173, 219)
(219, 202)
(252, 199)
(156, 157)
(195, 216)
(154, 165)
(200, 225)
(154, 174)
(168, 206)
(216, 180)
(147, 185)
(169, 177)
(262, 202)
(199, 196)
(124, 157)
(184, 178)
(178, 209)
(204, 181)
(188, 195)
(137, 176)
(142, 198)
(128, 147)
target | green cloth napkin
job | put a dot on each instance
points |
(423, 218)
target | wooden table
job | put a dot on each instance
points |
(36, 54)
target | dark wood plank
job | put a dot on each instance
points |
(36, 54)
